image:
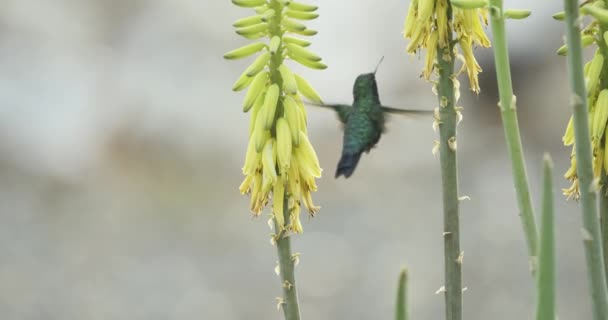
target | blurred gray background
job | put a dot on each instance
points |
(121, 145)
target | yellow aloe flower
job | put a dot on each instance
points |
(597, 102)
(427, 26)
(280, 163)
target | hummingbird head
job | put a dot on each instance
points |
(365, 86)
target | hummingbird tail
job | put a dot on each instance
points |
(348, 164)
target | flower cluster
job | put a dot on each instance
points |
(597, 96)
(428, 27)
(280, 161)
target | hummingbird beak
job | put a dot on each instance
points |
(378, 65)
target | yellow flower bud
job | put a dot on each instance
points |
(257, 105)
(289, 80)
(253, 29)
(297, 53)
(297, 6)
(275, 43)
(597, 12)
(260, 134)
(267, 15)
(245, 51)
(269, 174)
(517, 14)
(300, 42)
(291, 25)
(469, 4)
(606, 153)
(560, 16)
(593, 73)
(256, 88)
(301, 15)
(248, 21)
(257, 65)
(270, 105)
(307, 157)
(600, 116)
(283, 145)
(307, 90)
(249, 3)
(277, 203)
(242, 82)
(292, 115)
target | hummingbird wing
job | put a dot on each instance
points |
(406, 112)
(343, 110)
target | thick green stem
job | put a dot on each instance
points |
(449, 176)
(545, 281)
(510, 124)
(591, 230)
(287, 262)
(604, 180)
(604, 220)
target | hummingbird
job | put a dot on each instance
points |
(363, 121)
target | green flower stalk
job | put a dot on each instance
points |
(545, 281)
(401, 311)
(508, 113)
(280, 164)
(587, 107)
(438, 27)
(596, 96)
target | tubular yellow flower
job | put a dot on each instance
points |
(427, 26)
(471, 64)
(600, 116)
(568, 138)
(283, 144)
(277, 203)
(597, 101)
(410, 20)
(442, 23)
(255, 89)
(292, 114)
(280, 163)
(431, 54)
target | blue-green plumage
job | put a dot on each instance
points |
(363, 122)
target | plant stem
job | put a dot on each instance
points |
(591, 231)
(508, 112)
(545, 301)
(604, 179)
(401, 309)
(604, 220)
(290, 307)
(449, 176)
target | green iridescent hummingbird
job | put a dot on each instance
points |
(363, 121)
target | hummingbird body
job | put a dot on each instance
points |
(363, 123)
